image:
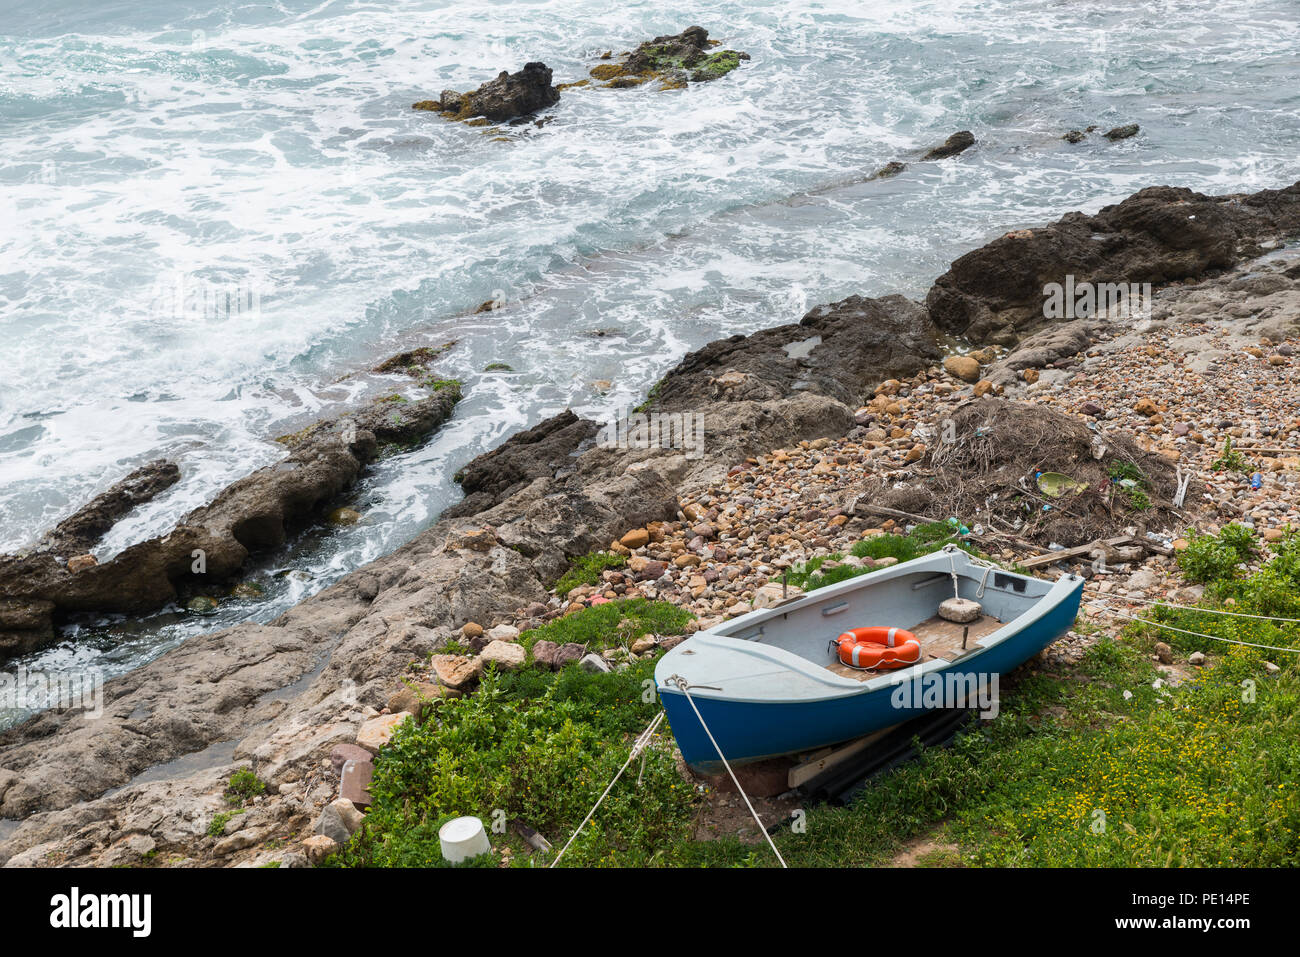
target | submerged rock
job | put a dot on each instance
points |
(957, 143)
(1122, 132)
(508, 96)
(673, 60)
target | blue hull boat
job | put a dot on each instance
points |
(771, 683)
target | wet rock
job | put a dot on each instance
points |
(1074, 136)
(508, 96)
(1122, 132)
(83, 529)
(672, 60)
(957, 143)
(213, 542)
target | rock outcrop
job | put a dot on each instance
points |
(211, 543)
(509, 96)
(673, 60)
(838, 350)
(1159, 235)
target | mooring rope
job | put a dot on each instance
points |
(1184, 631)
(1208, 611)
(637, 747)
(681, 684)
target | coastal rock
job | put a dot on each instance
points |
(672, 60)
(211, 543)
(539, 452)
(839, 350)
(79, 532)
(959, 142)
(1158, 235)
(508, 96)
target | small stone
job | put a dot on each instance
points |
(1164, 653)
(457, 671)
(330, 824)
(348, 814)
(78, 562)
(320, 846)
(343, 516)
(506, 655)
(962, 367)
(594, 663)
(471, 629)
(377, 732)
(637, 538)
(1196, 658)
(503, 633)
(643, 645)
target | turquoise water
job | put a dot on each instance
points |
(269, 151)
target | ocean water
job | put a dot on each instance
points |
(215, 217)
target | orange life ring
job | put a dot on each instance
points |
(878, 647)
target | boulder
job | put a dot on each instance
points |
(508, 96)
(457, 671)
(1158, 235)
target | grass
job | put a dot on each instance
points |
(922, 540)
(586, 570)
(1097, 764)
(612, 624)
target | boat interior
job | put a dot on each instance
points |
(807, 628)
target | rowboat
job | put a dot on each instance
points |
(771, 682)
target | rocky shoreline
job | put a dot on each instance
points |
(810, 427)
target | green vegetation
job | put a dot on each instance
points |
(612, 624)
(586, 570)
(716, 65)
(219, 821)
(434, 384)
(1214, 558)
(497, 367)
(922, 540)
(244, 786)
(1135, 492)
(1231, 460)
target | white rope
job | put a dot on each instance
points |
(1195, 634)
(1208, 611)
(681, 684)
(637, 747)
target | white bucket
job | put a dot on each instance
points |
(463, 838)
